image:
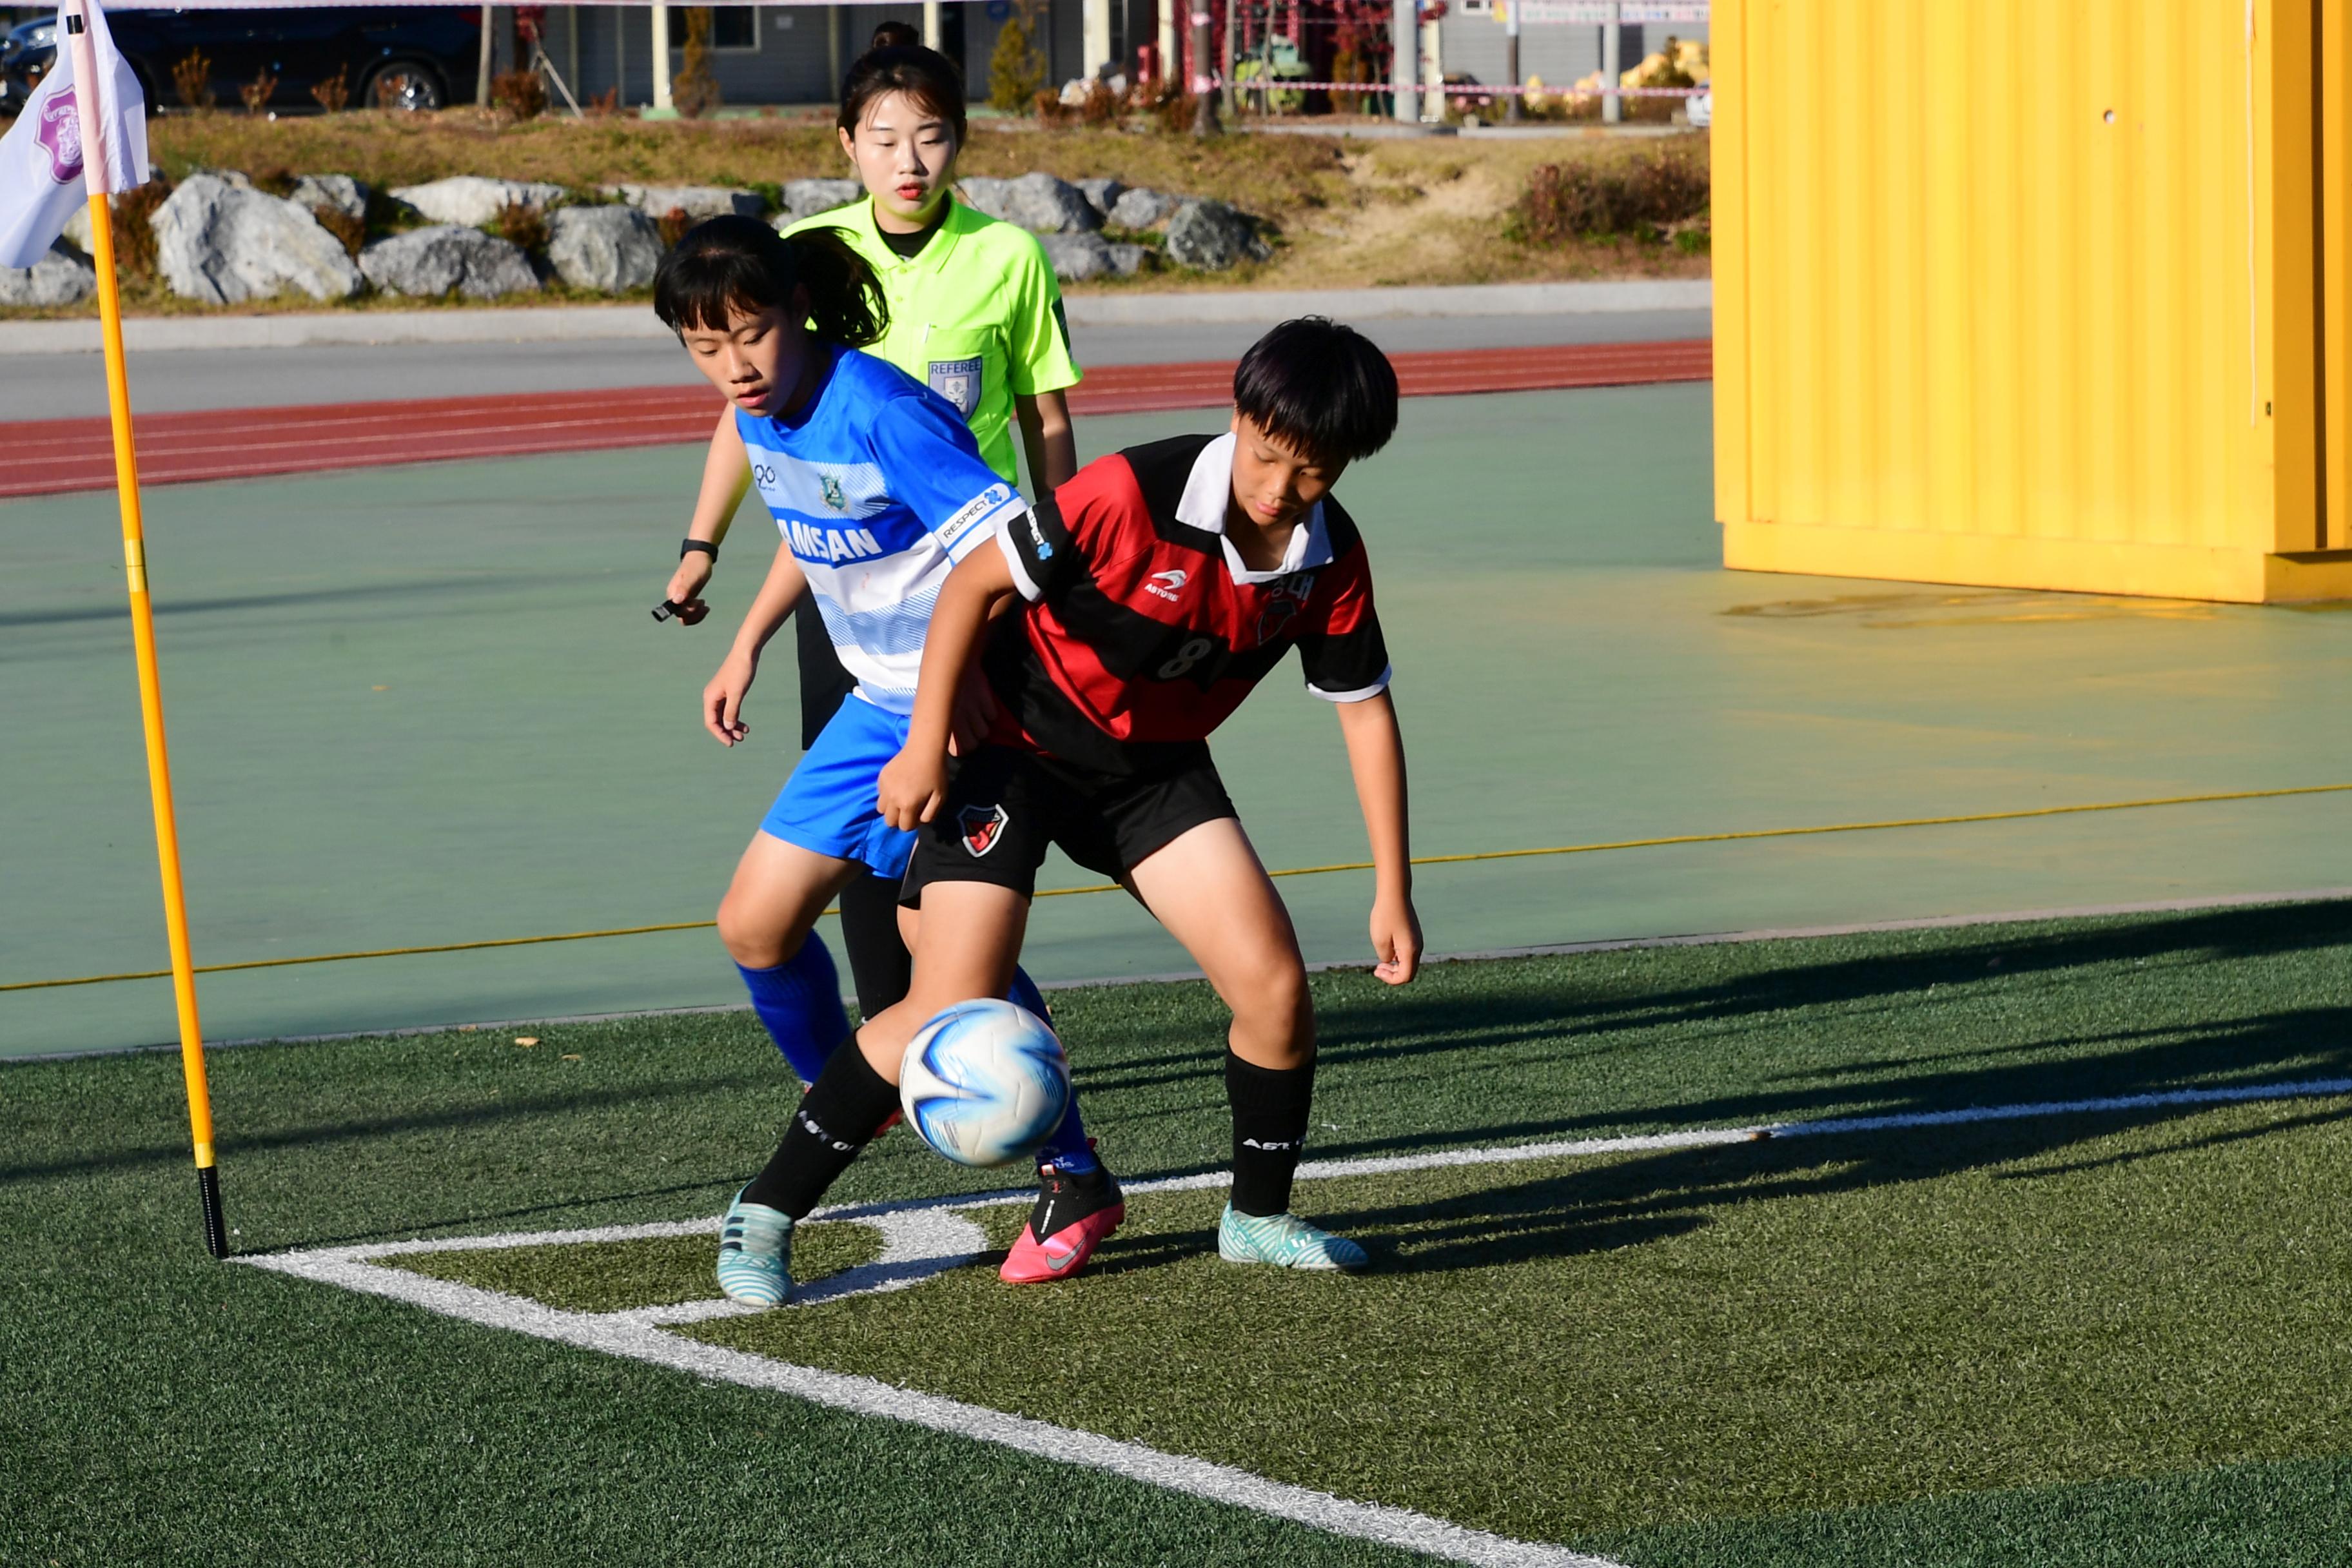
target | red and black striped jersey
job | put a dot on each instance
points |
(1144, 628)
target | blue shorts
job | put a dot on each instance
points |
(829, 806)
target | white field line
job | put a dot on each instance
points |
(921, 1239)
(631, 1336)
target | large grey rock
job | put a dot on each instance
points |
(1139, 207)
(225, 244)
(1101, 194)
(1210, 237)
(1076, 257)
(697, 202)
(806, 198)
(63, 277)
(1127, 260)
(341, 191)
(474, 201)
(986, 193)
(430, 262)
(1044, 205)
(607, 249)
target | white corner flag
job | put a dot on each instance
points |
(41, 174)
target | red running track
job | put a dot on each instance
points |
(67, 454)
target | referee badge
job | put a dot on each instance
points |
(982, 826)
(958, 381)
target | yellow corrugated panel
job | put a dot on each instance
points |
(2042, 312)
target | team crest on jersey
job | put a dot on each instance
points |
(830, 486)
(958, 381)
(1282, 607)
(982, 826)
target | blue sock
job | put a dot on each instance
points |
(1067, 1149)
(800, 1001)
(1023, 992)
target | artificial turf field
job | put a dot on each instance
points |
(2072, 1337)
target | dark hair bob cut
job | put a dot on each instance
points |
(1320, 387)
(737, 263)
(926, 75)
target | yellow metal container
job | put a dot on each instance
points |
(2035, 293)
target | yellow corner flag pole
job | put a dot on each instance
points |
(88, 85)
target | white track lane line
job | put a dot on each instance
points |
(922, 1239)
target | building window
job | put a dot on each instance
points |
(734, 29)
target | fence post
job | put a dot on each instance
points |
(1512, 111)
(1204, 98)
(1404, 56)
(661, 105)
(1612, 50)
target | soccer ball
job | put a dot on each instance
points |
(984, 1083)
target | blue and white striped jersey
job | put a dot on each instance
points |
(879, 488)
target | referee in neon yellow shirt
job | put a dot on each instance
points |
(974, 313)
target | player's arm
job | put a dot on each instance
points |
(1375, 758)
(722, 699)
(914, 781)
(1047, 438)
(725, 478)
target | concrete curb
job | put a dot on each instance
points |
(564, 324)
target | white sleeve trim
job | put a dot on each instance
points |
(1361, 694)
(1022, 581)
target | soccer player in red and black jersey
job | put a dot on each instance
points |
(1160, 585)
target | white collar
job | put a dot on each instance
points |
(1208, 492)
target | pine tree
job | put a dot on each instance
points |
(1015, 72)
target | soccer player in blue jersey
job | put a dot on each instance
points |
(878, 490)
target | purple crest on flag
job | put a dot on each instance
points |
(59, 134)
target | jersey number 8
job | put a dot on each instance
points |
(1191, 654)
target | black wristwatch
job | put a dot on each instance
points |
(686, 545)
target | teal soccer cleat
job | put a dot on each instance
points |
(1285, 1241)
(755, 1254)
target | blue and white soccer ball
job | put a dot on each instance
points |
(984, 1083)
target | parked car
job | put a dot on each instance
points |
(408, 57)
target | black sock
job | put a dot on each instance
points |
(1269, 1131)
(838, 1117)
(878, 954)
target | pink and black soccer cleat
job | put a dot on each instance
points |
(1072, 1215)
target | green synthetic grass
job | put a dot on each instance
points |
(1546, 1351)
(166, 1409)
(612, 1276)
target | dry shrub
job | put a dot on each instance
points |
(351, 231)
(605, 105)
(191, 79)
(1172, 110)
(673, 225)
(134, 231)
(1642, 197)
(1051, 111)
(1101, 107)
(694, 92)
(523, 225)
(522, 94)
(335, 91)
(258, 92)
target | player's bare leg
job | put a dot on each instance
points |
(966, 945)
(1208, 888)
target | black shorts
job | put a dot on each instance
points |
(1005, 806)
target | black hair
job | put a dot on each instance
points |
(1320, 387)
(926, 75)
(740, 263)
(895, 36)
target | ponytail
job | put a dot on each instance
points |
(740, 264)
